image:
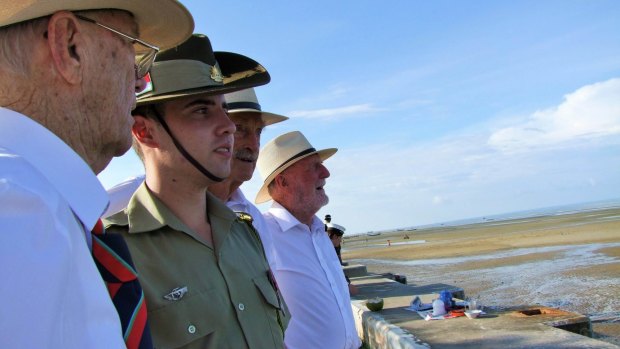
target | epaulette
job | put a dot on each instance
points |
(247, 219)
(244, 217)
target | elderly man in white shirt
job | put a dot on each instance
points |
(307, 268)
(67, 86)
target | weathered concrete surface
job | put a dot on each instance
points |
(384, 286)
(373, 329)
(355, 270)
(395, 327)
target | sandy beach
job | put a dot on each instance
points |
(569, 261)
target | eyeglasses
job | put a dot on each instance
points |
(143, 61)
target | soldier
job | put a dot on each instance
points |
(206, 279)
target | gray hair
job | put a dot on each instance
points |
(14, 54)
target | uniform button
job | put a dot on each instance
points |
(241, 306)
(191, 329)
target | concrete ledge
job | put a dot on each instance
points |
(355, 270)
(378, 333)
(394, 327)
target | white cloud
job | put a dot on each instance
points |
(590, 113)
(335, 113)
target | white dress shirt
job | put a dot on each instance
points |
(51, 292)
(239, 203)
(311, 280)
(121, 193)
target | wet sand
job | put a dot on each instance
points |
(569, 261)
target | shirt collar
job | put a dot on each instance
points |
(56, 161)
(146, 213)
(237, 198)
(287, 221)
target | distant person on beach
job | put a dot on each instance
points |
(68, 78)
(307, 269)
(335, 233)
(328, 218)
(205, 276)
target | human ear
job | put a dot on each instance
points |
(142, 131)
(67, 45)
(280, 180)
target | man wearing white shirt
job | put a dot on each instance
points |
(307, 268)
(67, 87)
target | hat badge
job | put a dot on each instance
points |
(216, 74)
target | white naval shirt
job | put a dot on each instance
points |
(311, 280)
(51, 292)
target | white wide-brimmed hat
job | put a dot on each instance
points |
(282, 152)
(163, 23)
(333, 226)
(245, 101)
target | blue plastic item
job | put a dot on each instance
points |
(446, 297)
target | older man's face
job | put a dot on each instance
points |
(247, 144)
(110, 83)
(306, 180)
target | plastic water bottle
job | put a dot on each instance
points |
(439, 308)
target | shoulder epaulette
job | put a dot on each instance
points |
(244, 217)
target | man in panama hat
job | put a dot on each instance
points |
(306, 266)
(68, 77)
(204, 273)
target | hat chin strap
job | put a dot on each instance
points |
(182, 150)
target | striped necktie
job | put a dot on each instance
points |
(116, 267)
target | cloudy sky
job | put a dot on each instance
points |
(441, 110)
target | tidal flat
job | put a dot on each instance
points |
(568, 261)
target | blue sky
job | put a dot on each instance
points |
(441, 110)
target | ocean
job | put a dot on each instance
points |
(538, 212)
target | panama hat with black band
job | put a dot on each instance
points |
(280, 154)
(163, 23)
(193, 68)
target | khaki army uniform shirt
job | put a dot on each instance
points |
(199, 296)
